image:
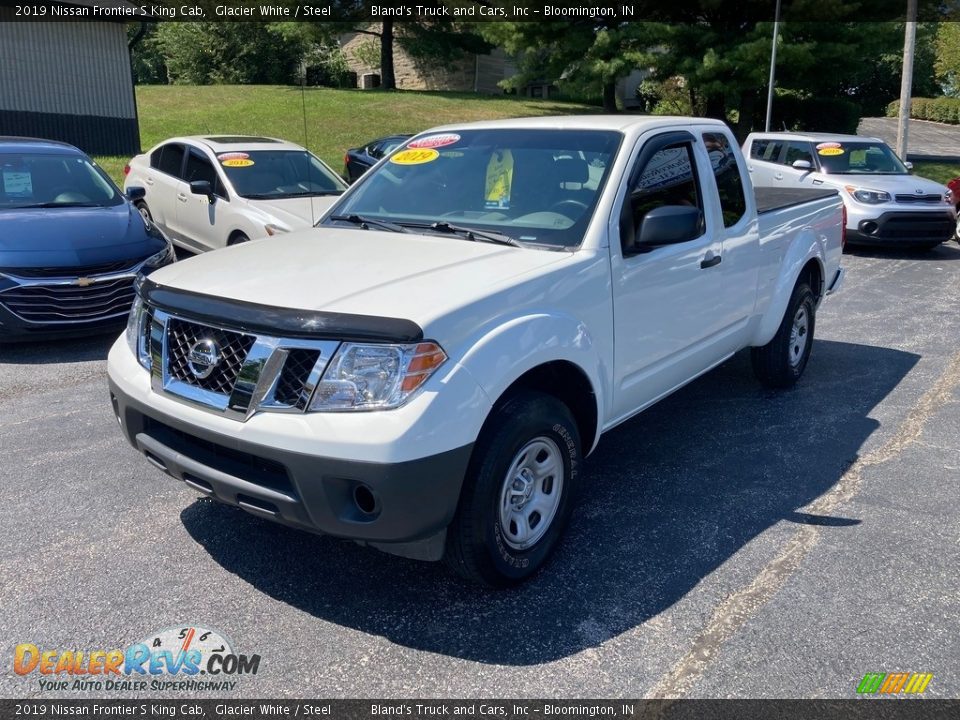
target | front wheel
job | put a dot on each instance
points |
(781, 362)
(518, 493)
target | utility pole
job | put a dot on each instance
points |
(906, 81)
(773, 64)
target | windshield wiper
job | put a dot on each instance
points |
(366, 223)
(475, 235)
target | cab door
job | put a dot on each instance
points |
(666, 298)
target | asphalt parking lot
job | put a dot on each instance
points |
(730, 542)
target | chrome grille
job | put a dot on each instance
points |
(63, 302)
(182, 336)
(909, 199)
(249, 373)
(292, 385)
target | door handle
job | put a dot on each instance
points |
(710, 261)
(778, 176)
(149, 181)
(181, 197)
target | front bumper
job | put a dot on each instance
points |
(401, 507)
(903, 227)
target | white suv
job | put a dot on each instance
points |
(884, 202)
(209, 192)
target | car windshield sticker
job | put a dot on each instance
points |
(415, 157)
(17, 183)
(236, 162)
(499, 180)
(232, 156)
(435, 141)
(829, 148)
(451, 154)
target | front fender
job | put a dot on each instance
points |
(804, 247)
(501, 356)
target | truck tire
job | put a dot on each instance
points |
(781, 362)
(518, 493)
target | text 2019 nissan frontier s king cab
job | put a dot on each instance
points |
(425, 370)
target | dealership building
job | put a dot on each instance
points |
(68, 81)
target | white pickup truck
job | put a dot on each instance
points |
(425, 370)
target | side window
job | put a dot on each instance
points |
(723, 161)
(171, 159)
(668, 178)
(200, 168)
(799, 151)
(766, 150)
(155, 158)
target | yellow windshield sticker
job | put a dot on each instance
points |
(830, 151)
(415, 157)
(237, 162)
(499, 180)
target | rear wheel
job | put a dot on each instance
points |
(238, 238)
(518, 493)
(781, 362)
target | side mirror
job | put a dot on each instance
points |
(668, 225)
(908, 165)
(202, 187)
(802, 165)
(135, 192)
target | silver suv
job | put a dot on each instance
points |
(884, 202)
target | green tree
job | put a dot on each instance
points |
(202, 53)
(947, 61)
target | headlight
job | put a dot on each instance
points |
(164, 257)
(136, 332)
(375, 377)
(868, 197)
(273, 229)
(948, 197)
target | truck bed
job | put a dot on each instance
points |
(771, 198)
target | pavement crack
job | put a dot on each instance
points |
(740, 606)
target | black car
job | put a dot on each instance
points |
(360, 159)
(71, 243)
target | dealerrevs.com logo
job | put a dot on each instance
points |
(190, 658)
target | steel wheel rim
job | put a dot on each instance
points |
(145, 214)
(799, 336)
(530, 494)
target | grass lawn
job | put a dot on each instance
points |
(939, 171)
(335, 119)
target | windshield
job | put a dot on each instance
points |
(859, 158)
(535, 186)
(53, 180)
(278, 174)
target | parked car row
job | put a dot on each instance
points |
(71, 245)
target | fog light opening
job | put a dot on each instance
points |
(365, 500)
(869, 227)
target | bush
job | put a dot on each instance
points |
(941, 109)
(815, 115)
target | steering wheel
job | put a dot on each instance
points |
(558, 207)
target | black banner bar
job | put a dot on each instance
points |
(854, 709)
(600, 12)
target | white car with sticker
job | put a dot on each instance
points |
(208, 192)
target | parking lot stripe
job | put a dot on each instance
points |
(738, 608)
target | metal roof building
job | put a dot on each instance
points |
(68, 81)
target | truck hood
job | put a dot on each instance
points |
(363, 272)
(297, 213)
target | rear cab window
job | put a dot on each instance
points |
(726, 172)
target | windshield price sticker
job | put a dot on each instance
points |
(415, 157)
(236, 162)
(435, 141)
(17, 184)
(830, 148)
